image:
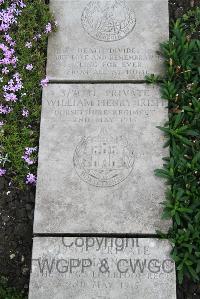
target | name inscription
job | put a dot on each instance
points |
(113, 106)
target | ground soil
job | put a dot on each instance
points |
(178, 7)
(16, 217)
(16, 221)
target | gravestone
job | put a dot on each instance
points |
(107, 40)
(105, 268)
(99, 147)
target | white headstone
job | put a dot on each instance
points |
(101, 268)
(107, 40)
(99, 147)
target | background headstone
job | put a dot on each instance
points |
(105, 268)
(107, 40)
(99, 147)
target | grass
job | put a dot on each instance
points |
(19, 132)
(181, 88)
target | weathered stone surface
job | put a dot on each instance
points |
(91, 268)
(107, 40)
(99, 147)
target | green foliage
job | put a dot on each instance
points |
(20, 132)
(8, 293)
(152, 79)
(182, 169)
(191, 22)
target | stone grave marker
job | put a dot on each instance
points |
(99, 147)
(101, 268)
(107, 40)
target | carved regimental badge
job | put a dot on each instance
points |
(103, 160)
(108, 20)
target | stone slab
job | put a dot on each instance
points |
(99, 147)
(101, 268)
(107, 40)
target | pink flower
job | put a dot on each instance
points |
(44, 82)
(48, 28)
(25, 112)
(1, 123)
(28, 45)
(30, 150)
(29, 67)
(12, 85)
(10, 97)
(2, 171)
(31, 179)
(5, 70)
(5, 109)
(27, 155)
(8, 38)
(37, 36)
(27, 160)
(21, 4)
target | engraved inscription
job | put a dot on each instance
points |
(106, 268)
(108, 21)
(103, 160)
(111, 107)
(100, 40)
(100, 61)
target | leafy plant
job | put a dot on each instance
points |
(8, 293)
(181, 88)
